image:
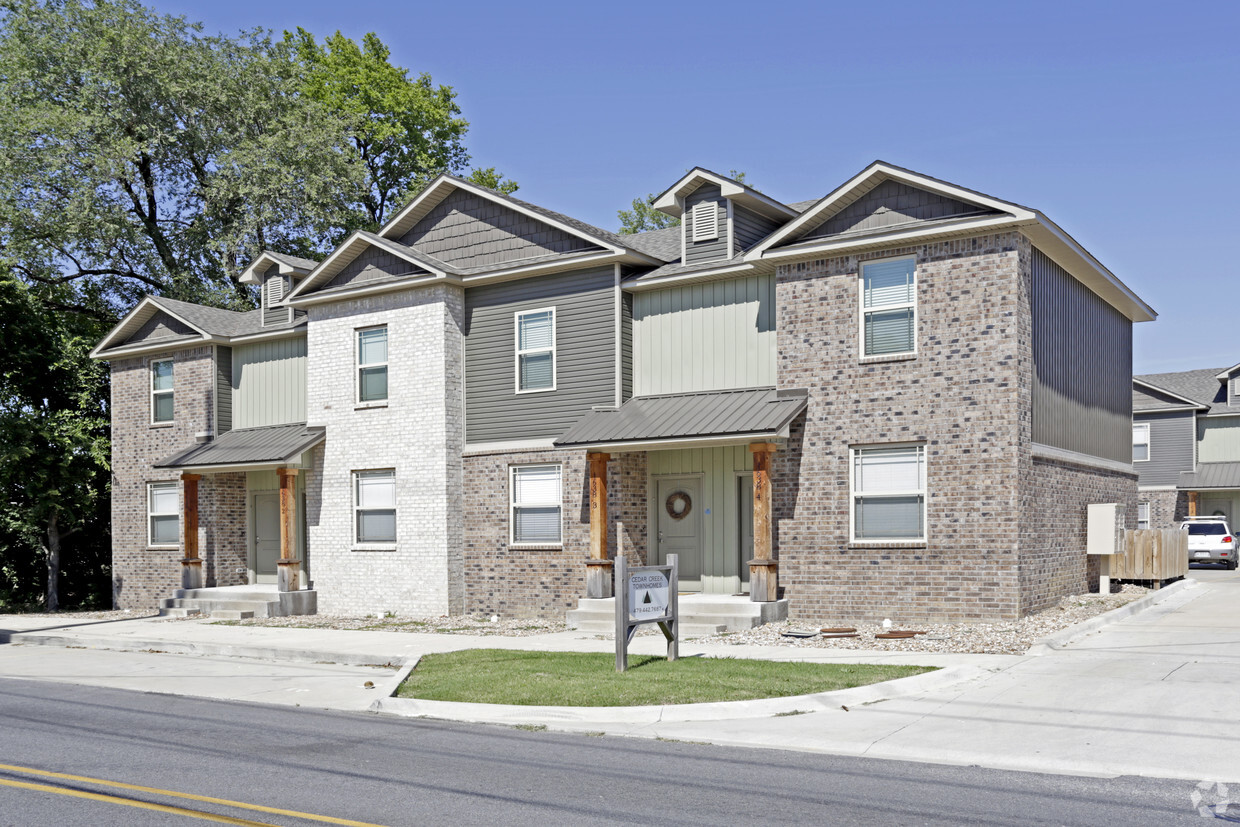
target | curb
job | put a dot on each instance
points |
(1057, 641)
(676, 713)
(228, 650)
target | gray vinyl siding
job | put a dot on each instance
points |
(1082, 359)
(160, 326)
(706, 250)
(888, 205)
(373, 263)
(1218, 439)
(1171, 448)
(750, 228)
(585, 357)
(626, 346)
(269, 383)
(709, 336)
(223, 390)
(467, 230)
(1233, 390)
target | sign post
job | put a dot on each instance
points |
(646, 594)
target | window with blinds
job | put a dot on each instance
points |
(889, 493)
(161, 391)
(534, 505)
(888, 307)
(1143, 516)
(535, 335)
(372, 364)
(374, 507)
(705, 221)
(1141, 442)
(163, 524)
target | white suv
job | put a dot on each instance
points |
(1210, 541)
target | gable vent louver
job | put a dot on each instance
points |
(705, 221)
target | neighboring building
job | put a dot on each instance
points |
(896, 400)
(1186, 445)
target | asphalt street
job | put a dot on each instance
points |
(275, 762)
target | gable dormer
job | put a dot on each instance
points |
(1231, 385)
(276, 275)
(720, 216)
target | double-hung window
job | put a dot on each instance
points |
(1143, 515)
(889, 493)
(888, 307)
(1141, 442)
(374, 507)
(161, 390)
(372, 364)
(535, 350)
(163, 518)
(534, 505)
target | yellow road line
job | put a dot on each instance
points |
(130, 802)
(157, 791)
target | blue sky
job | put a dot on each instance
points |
(1119, 121)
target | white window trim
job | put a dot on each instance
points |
(861, 310)
(518, 352)
(853, 494)
(512, 504)
(155, 393)
(150, 486)
(703, 231)
(357, 366)
(1145, 426)
(1145, 506)
(371, 544)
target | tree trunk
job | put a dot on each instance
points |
(53, 563)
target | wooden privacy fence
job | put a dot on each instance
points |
(1152, 554)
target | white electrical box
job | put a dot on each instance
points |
(1105, 533)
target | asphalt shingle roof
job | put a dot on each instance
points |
(216, 321)
(1199, 385)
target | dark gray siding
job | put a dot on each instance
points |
(467, 230)
(160, 326)
(372, 263)
(223, 390)
(1171, 448)
(626, 346)
(888, 205)
(1082, 361)
(706, 250)
(750, 227)
(585, 304)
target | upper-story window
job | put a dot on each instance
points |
(535, 350)
(889, 493)
(705, 217)
(372, 364)
(161, 390)
(1141, 442)
(888, 307)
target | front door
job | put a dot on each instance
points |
(678, 509)
(1216, 507)
(266, 536)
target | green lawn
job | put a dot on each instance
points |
(497, 676)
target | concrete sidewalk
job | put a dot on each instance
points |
(1156, 693)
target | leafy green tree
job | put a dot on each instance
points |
(643, 216)
(492, 180)
(404, 130)
(53, 446)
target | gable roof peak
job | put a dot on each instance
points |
(672, 200)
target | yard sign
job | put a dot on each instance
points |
(646, 594)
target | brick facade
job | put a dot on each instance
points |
(1167, 508)
(143, 574)
(532, 582)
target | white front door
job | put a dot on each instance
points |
(266, 536)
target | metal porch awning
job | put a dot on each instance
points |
(686, 419)
(248, 448)
(1211, 475)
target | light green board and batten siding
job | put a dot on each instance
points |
(722, 472)
(708, 336)
(269, 383)
(1218, 439)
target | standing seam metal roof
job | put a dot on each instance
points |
(249, 446)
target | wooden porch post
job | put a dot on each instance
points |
(1192, 503)
(598, 567)
(191, 565)
(763, 568)
(288, 579)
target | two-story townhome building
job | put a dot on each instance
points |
(1186, 445)
(894, 400)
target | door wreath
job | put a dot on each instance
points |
(678, 505)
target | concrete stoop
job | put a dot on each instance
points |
(239, 602)
(700, 614)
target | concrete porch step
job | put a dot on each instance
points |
(256, 608)
(239, 602)
(178, 612)
(703, 614)
(227, 614)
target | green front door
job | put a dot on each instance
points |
(266, 536)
